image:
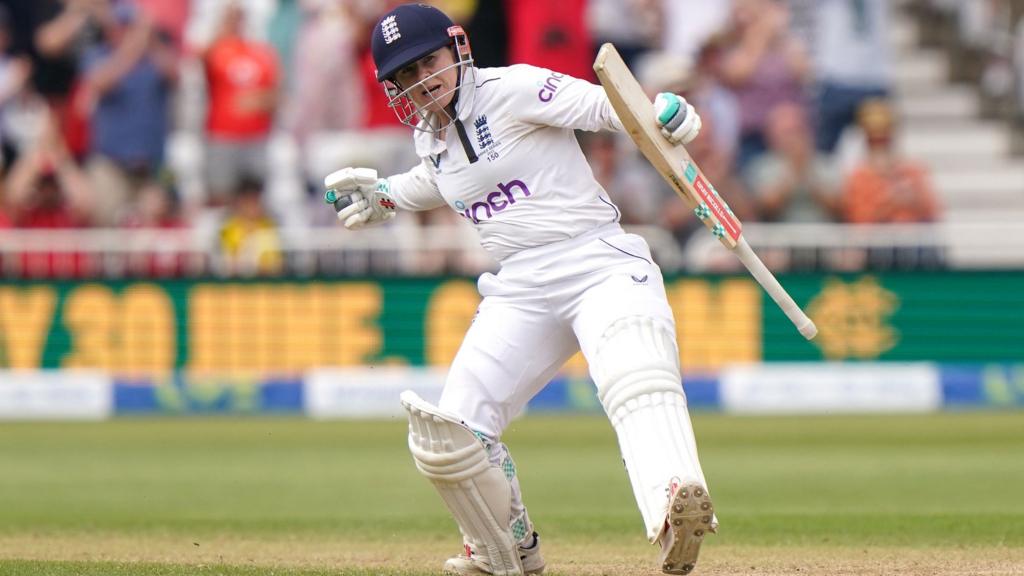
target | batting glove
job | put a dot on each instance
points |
(360, 198)
(678, 120)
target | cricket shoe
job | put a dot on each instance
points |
(690, 516)
(469, 564)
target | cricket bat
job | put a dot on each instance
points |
(684, 176)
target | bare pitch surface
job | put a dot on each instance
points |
(936, 494)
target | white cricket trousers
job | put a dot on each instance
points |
(544, 305)
(541, 307)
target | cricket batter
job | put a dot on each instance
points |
(497, 147)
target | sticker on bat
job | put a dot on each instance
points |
(690, 172)
(731, 226)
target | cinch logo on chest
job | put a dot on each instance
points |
(494, 202)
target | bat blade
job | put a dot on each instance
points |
(674, 164)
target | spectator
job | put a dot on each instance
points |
(326, 51)
(851, 64)
(59, 34)
(284, 30)
(249, 239)
(127, 88)
(60, 31)
(627, 177)
(157, 207)
(632, 26)
(14, 75)
(551, 34)
(169, 17)
(242, 81)
(803, 19)
(489, 21)
(46, 188)
(711, 96)
(717, 165)
(793, 182)
(688, 25)
(21, 17)
(886, 188)
(767, 67)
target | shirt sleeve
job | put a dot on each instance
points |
(548, 98)
(416, 189)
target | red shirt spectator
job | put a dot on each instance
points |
(48, 210)
(243, 78)
(551, 34)
(46, 189)
(377, 113)
(240, 75)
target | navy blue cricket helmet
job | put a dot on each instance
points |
(406, 34)
(403, 36)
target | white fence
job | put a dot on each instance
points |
(455, 249)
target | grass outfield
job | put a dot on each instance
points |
(845, 495)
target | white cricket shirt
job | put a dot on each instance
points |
(517, 174)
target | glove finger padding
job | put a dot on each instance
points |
(677, 118)
(359, 219)
(348, 180)
(357, 205)
(359, 197)
(687, 130)
(363, 211)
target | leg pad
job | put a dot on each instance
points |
(477, 493)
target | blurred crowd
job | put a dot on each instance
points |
(985, 44)
(176, 114)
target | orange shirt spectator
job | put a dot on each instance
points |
(886, 188)
(240, 74)
(897, 193)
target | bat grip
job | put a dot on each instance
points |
(767, 280)
(342, 202)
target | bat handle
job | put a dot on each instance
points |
(767, 280)
(342, 203)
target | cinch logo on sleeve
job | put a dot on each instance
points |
(389, 28)
(550, 85)
(494, 202)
